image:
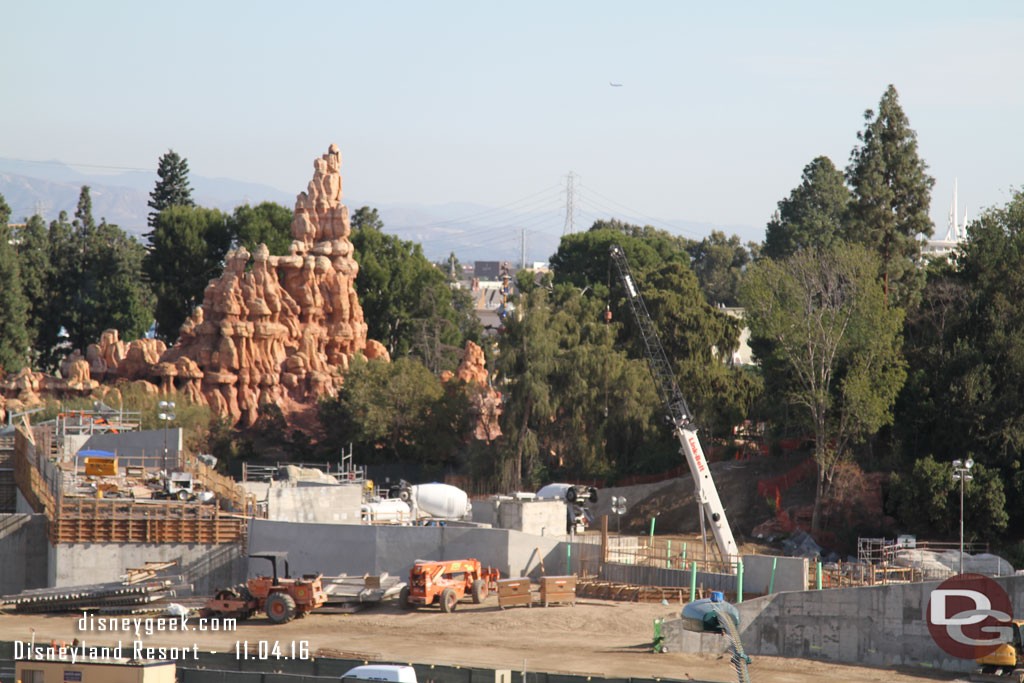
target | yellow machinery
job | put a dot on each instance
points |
(101, 467)
(1007, 659)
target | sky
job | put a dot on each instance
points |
(721, 104)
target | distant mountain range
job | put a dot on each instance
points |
(472, 231)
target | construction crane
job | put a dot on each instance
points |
(678, 412)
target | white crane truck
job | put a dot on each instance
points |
(678, 412)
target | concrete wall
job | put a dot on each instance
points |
(23, 552)
(207, 566)
(876, 625)
(538, 517)
(790, 573)
(328, 504)
(357, 549)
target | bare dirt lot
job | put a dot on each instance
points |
(594, 637)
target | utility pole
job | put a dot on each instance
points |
(570, 205)
(522, 257)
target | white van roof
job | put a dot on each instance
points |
(394, 673)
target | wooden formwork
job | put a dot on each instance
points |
(607, 590)
(87, 520)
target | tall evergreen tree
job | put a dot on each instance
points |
(34, 259)
(14, 337)
(84, 222)
(65, 265)
(812, 215)
(891, 194)
(172, 189)
(186, 250)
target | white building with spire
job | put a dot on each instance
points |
(956, 233)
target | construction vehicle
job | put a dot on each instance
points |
(679, 414)
(447, 582)
(282, 598)
(1006, 662)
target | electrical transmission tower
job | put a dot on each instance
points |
(570, 204)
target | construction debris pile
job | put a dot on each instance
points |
(351, 593)
(147, 590)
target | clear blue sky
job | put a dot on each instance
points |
(722, 104)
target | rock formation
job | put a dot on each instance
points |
(280, 332)
(271, 329)
(485, 400)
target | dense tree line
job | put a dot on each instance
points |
(887, 360)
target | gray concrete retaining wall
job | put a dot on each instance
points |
(358, 549)
(875, 625)
(790, 573)
(206, 566)
(538, 517)
(23, 552)
(324, 503)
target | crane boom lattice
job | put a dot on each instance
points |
(679, 413)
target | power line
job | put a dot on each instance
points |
(494, 209)
(634, 212)
(54, 162)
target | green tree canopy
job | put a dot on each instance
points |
(407, 301)
(812, 215)
(966, 348)
(14, 335)
(266, 223)
(888, 212)
(186, 250)
(697, 337)
(835, 342)
(172, 188)
(576, 404)
(927, 501)
(719, 261)
(98, 282)
(32, 244)
(396, 411)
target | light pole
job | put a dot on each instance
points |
(962, 473)
(166, 415)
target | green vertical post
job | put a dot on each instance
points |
(819, 575)
(739, 581)
(659, 640)
(668, 555)
(568, 559)
(771, 584)
(684, 550)
(693, 581)
(652, 530)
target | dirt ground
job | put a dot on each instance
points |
(593, 637)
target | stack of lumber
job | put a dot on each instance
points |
(608, 590)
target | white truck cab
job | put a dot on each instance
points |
(392, 673)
